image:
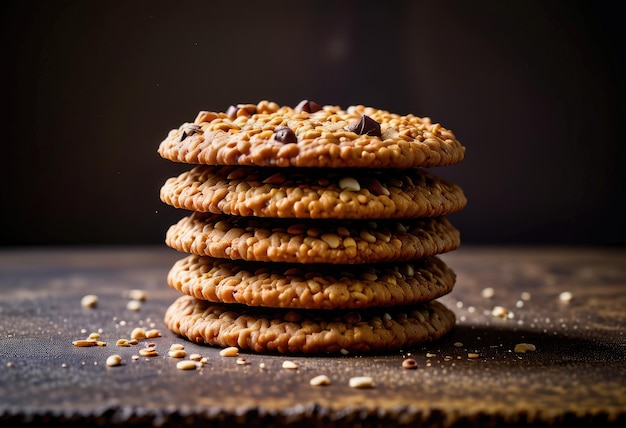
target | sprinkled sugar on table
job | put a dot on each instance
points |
(539, 340)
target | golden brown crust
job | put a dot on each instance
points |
(300, 286)
(322, 139)
(308, 332)
(313, 192)
(310, 241)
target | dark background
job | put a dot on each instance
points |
(534, 89)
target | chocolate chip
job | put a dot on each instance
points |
(285, 135)
(232, 112)
(189, 130)
(308, 106)
(365, 126)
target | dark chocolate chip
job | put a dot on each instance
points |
(308, 106)
(365, 126)
(232, 112)
(189, 130)
(285, 135)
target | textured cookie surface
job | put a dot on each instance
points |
(308, 332)
(313, 192)
(312, 241)
(267, 134)
(301, 286)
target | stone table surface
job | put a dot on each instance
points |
(472, 377)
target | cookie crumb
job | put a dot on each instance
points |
(361, 382)
(133, 305)
(289, 365)
(522, 348)
(409, 364)
(488, 292)
(566, 297)
(139, 295)
(186, 365)
(320, 380)
(113, 360)
(231, 351)
(89, 301)
(500, 312)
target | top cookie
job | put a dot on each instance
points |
(310, 135)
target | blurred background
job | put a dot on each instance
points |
(534, 89)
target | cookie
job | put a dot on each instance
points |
(313, 192)
(308, 331)
(309, 135)
(299, 286)
(312, 241)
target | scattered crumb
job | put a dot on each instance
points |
(566, 297)
(114, 360)
(320, 380)
(89, 301)
(289, 365)
(140, 295)
(488, 292)
(133, 305)
(361, 382)
(231, 351)
(409, 364)
(522, 348)
(473, 355)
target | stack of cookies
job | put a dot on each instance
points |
(311, 229)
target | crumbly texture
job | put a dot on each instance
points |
(308, 332)
(300, 286)
(322, 139)
(311, 241)
(313, 192)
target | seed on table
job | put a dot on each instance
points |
(176, 347)
(135, 357)
(177, 353)
(84, 343)
(320, 380)
(93, 336)
(473, 355)
(133, 342)
(137, 295)
(186, 365)
(99, 343)
(195, 357)
(409, 364)
(522, 348)
(430, 355)
(488, 292)
(458, 344)
(138, 333)
(151, 334)
(231, 351)
(289, 365)
(148, 352)
(89, 301)
(133, 305)
(242, 361)
(361, 382)
(566, 297)
(122, 342)
(114, 360)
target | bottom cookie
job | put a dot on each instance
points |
(267, 330)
